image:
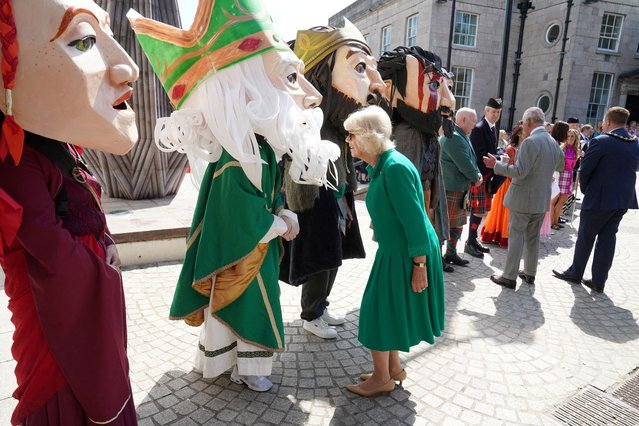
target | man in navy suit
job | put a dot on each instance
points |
(484, 139)
(607, 177)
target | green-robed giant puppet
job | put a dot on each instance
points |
(242, 103)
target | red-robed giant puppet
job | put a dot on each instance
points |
(66, 82)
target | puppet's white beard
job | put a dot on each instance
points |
(288, 130)
(296, 132)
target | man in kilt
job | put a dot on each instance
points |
(459, 167)
(484, 139)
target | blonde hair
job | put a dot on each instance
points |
(576, 144)
(374, 127)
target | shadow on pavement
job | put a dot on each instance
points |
(186, 398)
(597, 315)
(517, 314)
(394, 409)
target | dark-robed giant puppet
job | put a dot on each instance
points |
(66, 82)
(419, 90)
(339, 64)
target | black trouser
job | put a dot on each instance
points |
(602, 226)
(315, 293)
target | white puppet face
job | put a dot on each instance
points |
(297, 127)
(286, 72)
(72, 79)
(355, 74)
(266, 95)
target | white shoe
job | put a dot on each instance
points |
(331, 319)
(256, 383)
(319, 328)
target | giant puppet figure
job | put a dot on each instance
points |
(339, 64)
(66, 82)
(419, 90)
(242, 102)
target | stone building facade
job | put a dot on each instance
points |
(601, 55)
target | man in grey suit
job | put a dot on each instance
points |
(528, 197)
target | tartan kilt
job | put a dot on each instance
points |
(565, 183)
(479, 200)
(456, 211)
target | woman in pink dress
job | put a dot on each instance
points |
(572, 151)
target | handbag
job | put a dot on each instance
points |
(493, 183)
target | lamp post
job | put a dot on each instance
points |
(450, 34)
(562, 55)
(504, 53)
(524, 6)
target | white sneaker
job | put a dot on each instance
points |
(331, 319)
(319, 328)
(256, 383)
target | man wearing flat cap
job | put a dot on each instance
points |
(484, 139)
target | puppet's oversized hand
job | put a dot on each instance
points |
(112, 256)
(292, 229)
(292, 225)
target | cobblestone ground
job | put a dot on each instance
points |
(506, 357)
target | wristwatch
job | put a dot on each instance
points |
(419, 264)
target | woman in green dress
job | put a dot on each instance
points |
(403, 303)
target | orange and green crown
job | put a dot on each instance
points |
(223, 33)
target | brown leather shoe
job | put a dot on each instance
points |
(588, 283)
(504, 282)
(528, 279)
(399, 377)
(386, 388)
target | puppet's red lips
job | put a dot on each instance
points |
(120, 103)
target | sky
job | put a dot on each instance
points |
(288, 15)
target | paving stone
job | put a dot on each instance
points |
(185, 407)
(505, 356)
(202, 415)
(147, 409)
(165, 417)
(272, 416)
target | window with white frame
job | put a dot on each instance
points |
(610, 32)
(599, 95)
(367, 39)
(386, 39)
(411, 30)
(465, 29)
(462, 86)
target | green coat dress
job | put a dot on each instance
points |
(392, 315)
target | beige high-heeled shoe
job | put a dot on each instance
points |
(399, 377)
(386, 388)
